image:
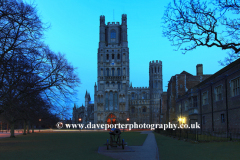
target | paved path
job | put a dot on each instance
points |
(6, 135)
(148, 150)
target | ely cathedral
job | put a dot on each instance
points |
(115, 100)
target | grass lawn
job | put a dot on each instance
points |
(52, 145)
(172, 149)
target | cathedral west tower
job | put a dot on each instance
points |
(110, 97)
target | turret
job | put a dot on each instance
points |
(155, 75)
(102, 31)
(95, 88)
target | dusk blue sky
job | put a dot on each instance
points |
(75, 32)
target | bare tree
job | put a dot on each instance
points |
(189, 24)
(27, 65)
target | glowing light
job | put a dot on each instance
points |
(127, 119)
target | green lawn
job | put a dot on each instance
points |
(172, 149)
(73, 145)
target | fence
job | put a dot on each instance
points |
(202, 136)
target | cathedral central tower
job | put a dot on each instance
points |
(110, 97)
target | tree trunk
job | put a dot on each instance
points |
(28, 125)
(24, 127)
(32, 128)
(12, 129)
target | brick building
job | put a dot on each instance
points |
(178, 86)
(215, 102)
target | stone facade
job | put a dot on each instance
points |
(115, 100)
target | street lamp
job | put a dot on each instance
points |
(181, 120)
(128, 121)
(80, 119)
(39, 124)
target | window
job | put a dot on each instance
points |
(205, 98)
(118, 72)
(119, 85)
(112, 56)
(222, 118)
(111, 101)
(112, 71)
(106, 101)
(108, 84)
(132, 95)
(155, 70)
(235, 87)
(158, 69)
(218, 93)
(123, 56)
(113, 34)
(107, 56)
(113, 84)
(98, 98)
(203, 120)
(107, 71)
(118, 56)
(144, 109)
(144, 96)
(115, 100)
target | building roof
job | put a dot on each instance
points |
(223, 70)
(186, 73)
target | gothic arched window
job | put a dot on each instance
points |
(118, 72)
(113, 34)
(113, 71)
(107, 72)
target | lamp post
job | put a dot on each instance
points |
(80, 120)
(39, 124)
(128, 121)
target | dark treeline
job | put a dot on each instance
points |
(31, 75)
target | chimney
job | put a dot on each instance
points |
(199, 69)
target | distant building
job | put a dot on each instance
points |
(84, 114)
